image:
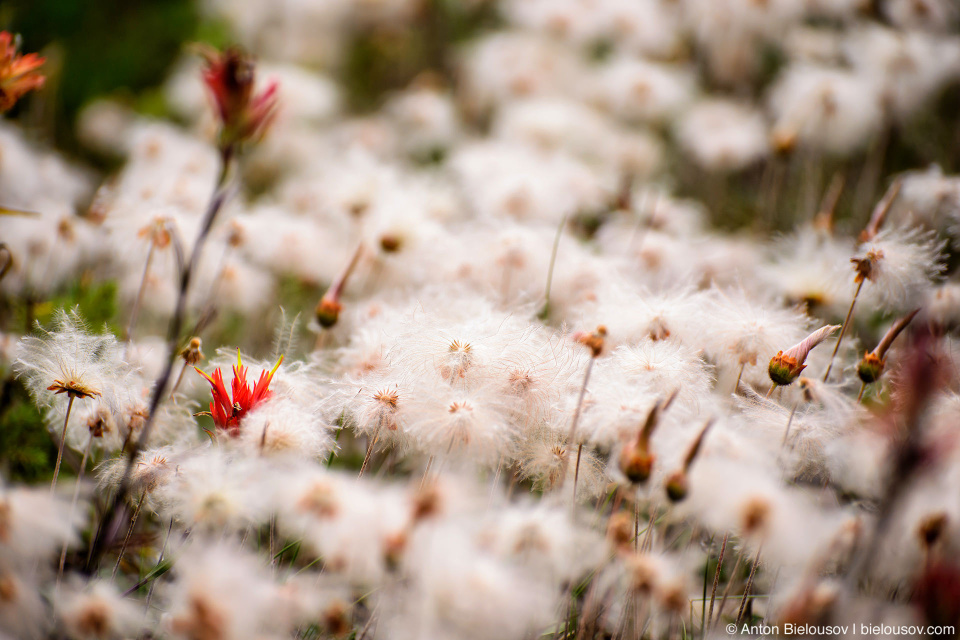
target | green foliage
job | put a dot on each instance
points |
(96, 302)
(101, 47)
(27, 452)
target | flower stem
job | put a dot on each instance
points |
(573, 433)
(126, 538)
(863, 387)
(545, 310)
(739, 375)
(63, 439)
(128, 334)
(716, 579)
(73, 506)
(163, 549)
(726, 591)
(176, 385)
(843, 329)
(746, 591)
(786, 431)
(373, 443)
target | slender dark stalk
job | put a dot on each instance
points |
(746, 591)
(863, 387)
(163, 550)
(716, 579)
(726, 591)
(176, 385)
(703, 600)
(373, 443)
(126, 538)
(843, 330)
(73, 505)
(63, 439)
(174, 329)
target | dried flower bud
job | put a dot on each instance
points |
(931, 528)
(636, 463)
(426, 502)
(636, 460)
(677, 485)
(643, 574)
(873, 363)
(328, 309)
(865, 266)
(336, 618)
(755, 516)
(390, 243)
(192, 354)
(787, 365)
(620, 530)
(783, 141)
(230, 77)
(328, 312)
(594, 341)
(394, 546)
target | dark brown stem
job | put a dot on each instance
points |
(73, 505)
(726, 591)
(746, 591)
(126, 538)
(107, 525)
(373, 443)
(176, 385)
(843, 329)
(716, 578)
(63, 439)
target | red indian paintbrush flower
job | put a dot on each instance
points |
(227, 414)
(229, 76)
(18, 73)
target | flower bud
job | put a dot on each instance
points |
(636, 462)
(870, 368)
(677, 485)
(328, 312)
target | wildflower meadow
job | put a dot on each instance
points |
(479, 319)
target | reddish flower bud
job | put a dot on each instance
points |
(18, 73)
(230, 76)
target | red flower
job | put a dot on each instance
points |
(18, 73)
(229, 76)
(227, 414)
